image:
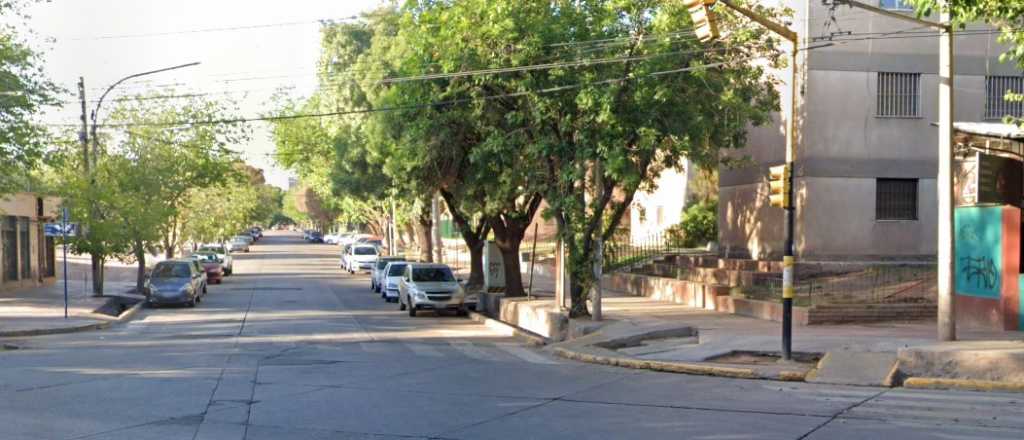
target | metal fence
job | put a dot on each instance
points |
(622, 251)
(878, 284)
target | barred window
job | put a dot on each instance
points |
(899, 95)
(996, 88)
(896, 199)
(896, 5)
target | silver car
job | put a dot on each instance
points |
(175, 282)
(239, 244)
(430, 286)
(377, 273)
(392, 277)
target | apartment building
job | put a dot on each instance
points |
(867, 141)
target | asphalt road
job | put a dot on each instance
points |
(293, 348)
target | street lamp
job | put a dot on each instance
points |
(96, 263)
(95, 112)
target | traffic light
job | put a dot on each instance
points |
(704, 22)
(778, 186)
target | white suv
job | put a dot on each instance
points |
(360, 258)
(430, 286)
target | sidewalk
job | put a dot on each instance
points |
(639, 332)
(40, 310)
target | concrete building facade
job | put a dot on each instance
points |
(867, 145)
(27, 257)
(655, 210)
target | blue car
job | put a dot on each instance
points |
(175, 282)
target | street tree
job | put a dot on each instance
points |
(155, 154)
(25, 89)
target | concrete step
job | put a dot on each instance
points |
(856, 368)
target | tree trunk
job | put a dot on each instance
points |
(140, 276)
(476, 266)
(513, 279)
(475, 238)
(424, 238)
(97, 274)
(508, 234)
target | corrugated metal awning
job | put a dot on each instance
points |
(990, 129)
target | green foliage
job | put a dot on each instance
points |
(148, 176)
(24, 90)
(698, 226)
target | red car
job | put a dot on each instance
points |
(213, 266)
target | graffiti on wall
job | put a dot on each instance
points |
(979, 251)
(980, 272)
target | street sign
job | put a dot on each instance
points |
(59, 229)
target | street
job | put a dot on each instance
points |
(292, 348)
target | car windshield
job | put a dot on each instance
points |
(208, 257)
(171, 271)
(396, 270)
(238, 239)
(432, 274)
(214, 249)
(365, 251)
(382, 264)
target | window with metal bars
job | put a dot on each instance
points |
(899, 95)
(996, 88)
(896, 199)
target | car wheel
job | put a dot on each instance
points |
(191, 302)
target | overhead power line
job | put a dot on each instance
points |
(436, 103)
(215, 29)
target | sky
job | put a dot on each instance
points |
(247, 50)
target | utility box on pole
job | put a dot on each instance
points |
(494, 268)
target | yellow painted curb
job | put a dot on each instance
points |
(793, 376)
(668, 367)
(935, 383)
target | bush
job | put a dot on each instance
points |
(698, 227)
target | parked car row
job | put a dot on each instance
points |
(186, 280)
(414, 286)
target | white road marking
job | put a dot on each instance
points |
(522, 353)
(468, 349)
(423, 349)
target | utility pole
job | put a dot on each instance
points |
(707, 29)
(596, 313)
(83, 136)
(946, 329)
(946, 287)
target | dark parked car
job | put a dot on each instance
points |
(175, 282)
(316, 237)
(212, 264)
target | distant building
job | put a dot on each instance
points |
(27, 257)
(866, 156)
(653, 212)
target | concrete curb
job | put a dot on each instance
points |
(936, 383)
(676, 367)
(123, 317)
(530, 337)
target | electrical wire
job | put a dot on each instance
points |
(432, 104)
(216, 29)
